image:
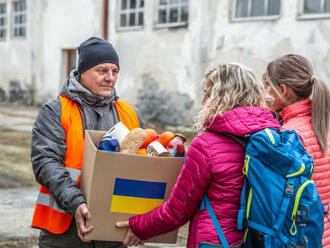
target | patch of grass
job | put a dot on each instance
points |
(15, 164)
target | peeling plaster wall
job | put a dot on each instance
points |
(68, 23)
(176, 59)
(37, 60)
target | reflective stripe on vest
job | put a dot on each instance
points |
(47, 214)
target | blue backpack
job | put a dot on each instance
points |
(280, 206)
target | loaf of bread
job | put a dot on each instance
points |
(133, 141)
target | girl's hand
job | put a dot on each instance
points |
(130, 238)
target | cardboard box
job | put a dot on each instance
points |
(115, 188)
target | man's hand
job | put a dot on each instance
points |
(130, 238)
(81, 215)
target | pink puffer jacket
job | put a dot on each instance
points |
(298, 116)
(214, 166)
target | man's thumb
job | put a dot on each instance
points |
(86, 213)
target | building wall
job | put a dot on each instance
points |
(160, 68)
(175, 59)
(37, 60)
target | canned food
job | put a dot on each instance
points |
(157, 149)
(176, 146)
(118, 131)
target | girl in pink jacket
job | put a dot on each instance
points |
(291, 81)
(234, 103)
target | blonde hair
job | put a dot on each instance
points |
(232, 85)
(296, 72)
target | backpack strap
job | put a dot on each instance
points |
(326, 212)
(243, 141)
(221, 235)
(242, 211)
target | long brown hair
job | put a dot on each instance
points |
(296, 72)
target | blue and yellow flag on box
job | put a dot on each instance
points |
(136, 196)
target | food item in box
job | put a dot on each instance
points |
(118, 131)
(133, 141)
(157, 149)
(142, 151)
(166, 137)
(176, 146)
(108, 143)
(151, 136)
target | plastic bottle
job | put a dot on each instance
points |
(108, 143)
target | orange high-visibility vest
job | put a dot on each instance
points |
(47, 214)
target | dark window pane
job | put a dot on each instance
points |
(23, 5)
(2, 33)
(312, 6)
(123, 4)
(16, 19)
(73, 59)
(162, 16)
(258, 8)
(184, 13)
(327, 6)
(123, 20)
(140, 18)
(23, 18)
(174, 15)
(274, 7)
(133, 4)
(141, 4)
(2, 8)
(174, 1)
(163, 2)
(241, 8)
(131, 19)
(2, 21)
(184, 1)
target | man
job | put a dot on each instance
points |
(87, 101)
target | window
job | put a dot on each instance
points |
(172, 13)
(19, 18)
(131, 13)
(3, 21)
(257, 8)
(316, 6)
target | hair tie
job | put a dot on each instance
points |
(312, 79)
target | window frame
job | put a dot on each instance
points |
(254, 18)
(128, 11)
(167, 8)
(5, 26)
(14, 25)
(301, 15)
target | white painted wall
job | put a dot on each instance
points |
(175, 58)
(52, 27)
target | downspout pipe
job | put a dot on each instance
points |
(105, 18)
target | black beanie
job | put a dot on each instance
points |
(95, 51)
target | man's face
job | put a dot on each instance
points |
(100, 79)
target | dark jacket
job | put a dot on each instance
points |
(48, 146)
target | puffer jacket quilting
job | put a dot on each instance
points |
(298, 116)
(213, 165)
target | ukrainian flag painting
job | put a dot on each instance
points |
(136, 196)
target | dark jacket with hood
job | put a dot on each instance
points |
(49, 143)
